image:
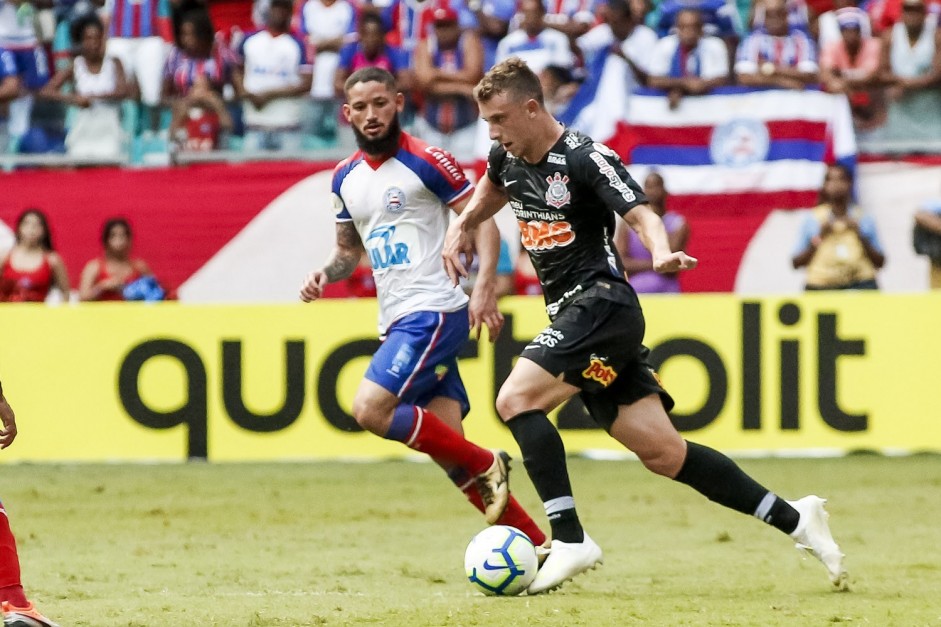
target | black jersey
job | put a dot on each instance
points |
(565, 208)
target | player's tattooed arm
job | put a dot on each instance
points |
(345, 255)
(339, 266)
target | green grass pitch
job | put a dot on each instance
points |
(383, 543)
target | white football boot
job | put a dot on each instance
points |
(564, 562)
(813, 535)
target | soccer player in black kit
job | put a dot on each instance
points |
(565, 190)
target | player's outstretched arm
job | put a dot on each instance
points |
(340, 264)
(7, 422)
(649, 227)
(487, 200)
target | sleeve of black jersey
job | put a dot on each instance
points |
(495, 163)
(601, 169)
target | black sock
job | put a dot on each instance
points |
(719, 479)
(544, 458)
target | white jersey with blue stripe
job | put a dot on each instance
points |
(17, 31)
(400, 208)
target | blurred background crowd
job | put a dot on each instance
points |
(155, 82)
(121, 79)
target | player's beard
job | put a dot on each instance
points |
(385, 145)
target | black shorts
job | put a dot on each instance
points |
(596, 345)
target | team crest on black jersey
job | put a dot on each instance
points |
(558, 194)
(394, 199)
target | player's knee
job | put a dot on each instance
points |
(665, 459)
(511, 403)
(370, 416)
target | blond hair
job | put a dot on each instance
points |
(512, 77)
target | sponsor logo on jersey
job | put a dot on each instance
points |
(553, 308)
(394, 199)
(337, 202)
(613, 179)
(446, 163)
(541, 235)
(400, 362)
(558, 194)
(739, 143)
(556, 158)
(535, 214)
(571, 140)
(599, 371)
(383, 252)
(612, 262)
(607, 152)
(549, 337)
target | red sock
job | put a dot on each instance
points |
(10, 587)
(422, 431)
(514, 515)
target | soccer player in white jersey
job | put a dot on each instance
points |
(393, 198)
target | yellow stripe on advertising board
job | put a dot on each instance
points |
(807, 374)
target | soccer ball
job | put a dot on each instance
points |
(501, 561)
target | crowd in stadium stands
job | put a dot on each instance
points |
(127, 76)
(104, 78)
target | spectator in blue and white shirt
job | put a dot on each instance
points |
(798, 14)
(535, 44)
(447, 67)
(688, 63)
(624, 35)
(9, 89)
(327, 26)
(493, 24)
(572, 17)
(276, 80)
(18, 37)
(720, 17)
(777, 55)
(138, 36)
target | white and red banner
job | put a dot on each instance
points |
(731, 158)
(183, 219)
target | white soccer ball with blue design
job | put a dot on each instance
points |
(501, 561)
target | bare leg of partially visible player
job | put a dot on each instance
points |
(11, 589)
(16, 609)
(436, 430)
